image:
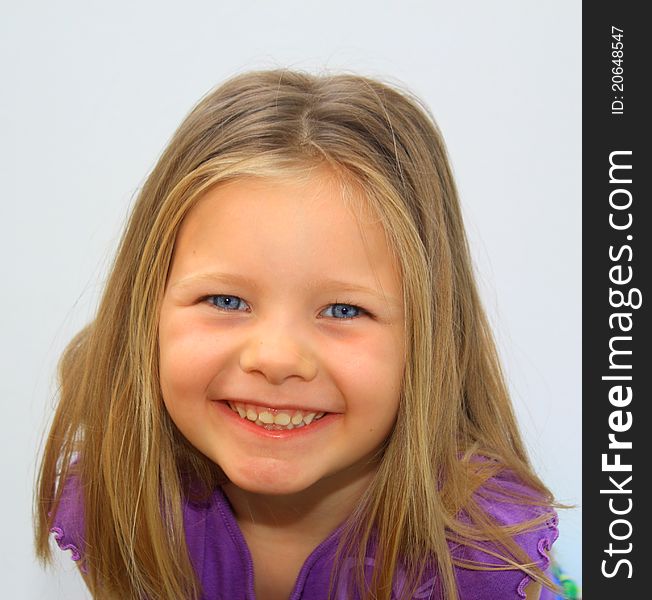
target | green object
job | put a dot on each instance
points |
(570, 590)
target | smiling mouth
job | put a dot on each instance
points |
(274, 419)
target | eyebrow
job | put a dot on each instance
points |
(242, 280)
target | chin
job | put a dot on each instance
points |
(268, 477)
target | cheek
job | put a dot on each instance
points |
(189, 359)
(371, 375)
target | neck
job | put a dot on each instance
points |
(309, 515)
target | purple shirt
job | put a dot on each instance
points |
(223, 562)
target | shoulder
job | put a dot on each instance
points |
(529, 522)
(68, 524)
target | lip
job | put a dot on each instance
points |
(282, 434)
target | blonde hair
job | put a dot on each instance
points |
(376, 138)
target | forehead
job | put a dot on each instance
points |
(306, 189)
(289, 226)
(316, 203)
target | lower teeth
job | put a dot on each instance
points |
(275, 427)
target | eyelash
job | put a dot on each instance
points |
(362, 311)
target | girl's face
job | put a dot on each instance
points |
(278, 310)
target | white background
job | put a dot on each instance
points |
(92, 91)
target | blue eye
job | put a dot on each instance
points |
(346, 311)
(339, 311)
(230, 303)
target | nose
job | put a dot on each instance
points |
(277, 353)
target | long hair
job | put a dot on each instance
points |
(111, 428)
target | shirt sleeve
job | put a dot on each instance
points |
(536, 541)
(68, 523)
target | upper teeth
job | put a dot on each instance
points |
(272, 418)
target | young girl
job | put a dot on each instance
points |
(290, 389)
